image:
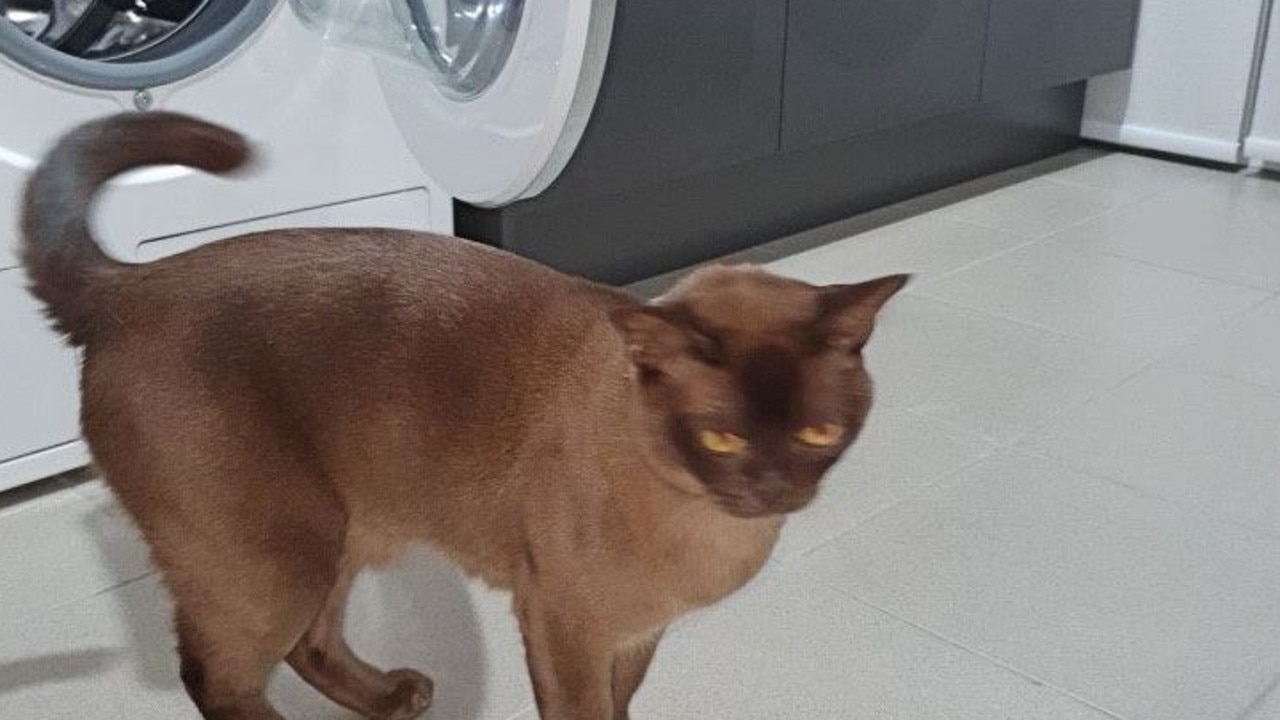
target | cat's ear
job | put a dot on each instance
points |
(653, 334)
(848, 312)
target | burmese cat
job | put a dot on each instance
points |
(279, 410)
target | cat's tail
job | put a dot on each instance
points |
(61, 256)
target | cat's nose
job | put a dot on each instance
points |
(772, 485)
(780, 492)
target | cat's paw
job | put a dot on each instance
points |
(411, 698)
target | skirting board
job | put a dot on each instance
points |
(1206, 148)
(1264, 150)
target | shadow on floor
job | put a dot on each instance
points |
(419, 614)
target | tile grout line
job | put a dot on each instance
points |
(523, 710)
(1158, 355)
(1049, 180)
(942, 478)
(949, 426)
(1167, 355)
(926, 483)
(973, 651)
(1106, 478)
(1180, 271)
(1054, 236)
(1182, 185)
(1026, 242)
(1021, 322)
(1176, 364)
(103, 591)
(51, 609)
(1261, 698)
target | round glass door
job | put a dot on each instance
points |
(124, 44)
(100, 29)
(465, 43)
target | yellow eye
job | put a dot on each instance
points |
(722, 443)
(824, 435)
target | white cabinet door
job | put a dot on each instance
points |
(1263, 142)
(1187, 90)
(39, 384)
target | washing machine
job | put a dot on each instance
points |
(364, 112)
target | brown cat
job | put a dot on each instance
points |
(280, 410)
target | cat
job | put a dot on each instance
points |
(279, 410)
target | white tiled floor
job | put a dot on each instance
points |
(1066, 505)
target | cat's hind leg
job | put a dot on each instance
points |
(240, 608)
(323, 658)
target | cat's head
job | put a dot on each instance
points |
(753, 384)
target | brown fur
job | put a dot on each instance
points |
(280, 410)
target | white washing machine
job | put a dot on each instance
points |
(365, 113)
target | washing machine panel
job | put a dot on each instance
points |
(510, 139)
(330, 153)
(486, 106)
(315, 112)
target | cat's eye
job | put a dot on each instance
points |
(820, 436)
(721, 443)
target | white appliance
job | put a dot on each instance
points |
(484, 102)
(1205, 83)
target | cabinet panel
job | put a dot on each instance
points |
(1043, 43)
(39, 385)
(859, 65)
(687, 87)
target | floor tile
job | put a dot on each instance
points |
(1267, 705)
(898, 453)
(1138, 177)
(1114, 322)
(924, 246)
(1095, 297)
(1036, 208)
(1127, 601)
(994, 377)
(788, 648)
(424, 615)
(63, 547)
(107, 656)
(114, 652)
(1225, 230)
(1247, 349)
(1209, 443)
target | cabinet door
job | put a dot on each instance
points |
(1042, 43)
(859, 65)
(687, 87)
(39, 387)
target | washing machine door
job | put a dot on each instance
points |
(124, 44)
(501, 90)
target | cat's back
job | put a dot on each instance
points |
(326, 266)
(327, 286)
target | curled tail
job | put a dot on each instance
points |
(61, 256)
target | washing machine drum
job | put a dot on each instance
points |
(124, 44)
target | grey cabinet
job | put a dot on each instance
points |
(1043, 43)
(853, 66)
(725, 123)
(688, 87)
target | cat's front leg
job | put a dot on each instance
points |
(630, 664)
(570, 660)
